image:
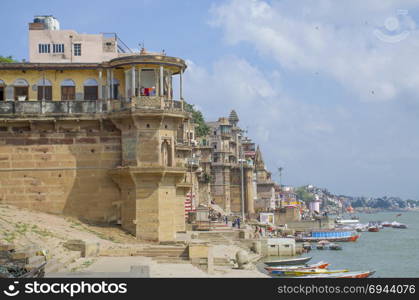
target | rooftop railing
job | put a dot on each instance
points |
(64, 107)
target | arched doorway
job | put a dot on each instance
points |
(90, 89)
(44, 87)
(21, 89)
(68, 90)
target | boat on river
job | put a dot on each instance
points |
(319, 265)
(333, 246)
(386, 224)
(398, 225)
(288, 262)
(357, 274)
(332, 235)
(311, 272)
(373, 229)
(351, 221)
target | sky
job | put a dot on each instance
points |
(328, 89)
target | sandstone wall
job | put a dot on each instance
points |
(60, 167)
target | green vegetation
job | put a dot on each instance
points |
(84, 265)
(21, 227)
(7, 59)
(304, 195)
(202, 129)
(8, 236)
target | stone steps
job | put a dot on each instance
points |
(171, 260)
(163, 252)
(220, 261)
(60, 261)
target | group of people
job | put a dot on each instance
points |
(236, 222)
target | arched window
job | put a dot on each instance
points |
(166, 154)
(21, 89)
(90, 89)
(68, 90)
(44, 89)
(2, 86)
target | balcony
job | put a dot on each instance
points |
(75, 107)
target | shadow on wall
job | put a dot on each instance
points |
(96, 150)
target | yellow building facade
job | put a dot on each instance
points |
(103, 142)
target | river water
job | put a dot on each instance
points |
(390, 252)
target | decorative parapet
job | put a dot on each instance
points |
(12, 109)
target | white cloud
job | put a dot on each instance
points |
(333, 37)
(353, 147)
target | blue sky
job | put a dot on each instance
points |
(327, 88)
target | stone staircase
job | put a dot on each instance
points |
(219, 238)
(60, 261)
(158, 253)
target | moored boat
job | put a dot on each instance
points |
(319, 265)
(312, 272)
(373, 229)
(288, 262)
(307, 246)
(399, 225)
(357, 274)
(334, 246)
(386, 224)
(329, 235)
(322, 245)
(347, 221)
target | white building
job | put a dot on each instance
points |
(48, 43)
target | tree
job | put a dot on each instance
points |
(304, 195)
(197, 118)
(8, 59)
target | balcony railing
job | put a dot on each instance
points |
(47, 107)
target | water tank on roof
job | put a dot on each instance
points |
(50, 22)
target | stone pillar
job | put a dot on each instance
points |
(161, 77)
(249, 191)
(227, 194)
(111, 85)
(126, 84)
(100, 87)
(108, 84)
(133, 82)
(139, 82)
(180, 85)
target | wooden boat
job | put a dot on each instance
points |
(319, 265)
(334, 246)
(352, 238)
(335, 235)
(312, 271)
(346, 222)
(398, 225)
(307, 246)
(373, 229)
(386, 224)
(357, 274)
(288, 262)
(321, 246)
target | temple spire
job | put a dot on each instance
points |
(233, 118)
